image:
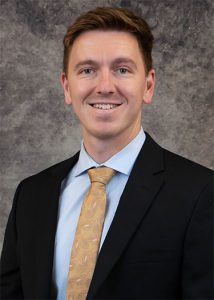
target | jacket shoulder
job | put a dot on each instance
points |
(170, 161)
(177, 166)
(59, 170)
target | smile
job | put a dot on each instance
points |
(105, 106)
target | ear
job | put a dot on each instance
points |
(65, 85)
(149, 89)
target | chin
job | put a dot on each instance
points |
(105, 135)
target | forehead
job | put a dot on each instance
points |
(105, 43)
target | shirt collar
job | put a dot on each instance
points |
(122, 161)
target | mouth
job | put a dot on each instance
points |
(105, 106)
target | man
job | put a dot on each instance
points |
(156, 241)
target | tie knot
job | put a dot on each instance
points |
(102, 174)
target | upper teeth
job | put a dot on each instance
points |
(104, 106)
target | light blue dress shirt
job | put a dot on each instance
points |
(73, 191)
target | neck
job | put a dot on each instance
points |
(103, 149)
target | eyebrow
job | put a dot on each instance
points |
(124, 60)
(117, 61)
(84, 63)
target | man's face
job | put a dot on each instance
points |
(107, 84)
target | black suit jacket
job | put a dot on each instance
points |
(159, 245)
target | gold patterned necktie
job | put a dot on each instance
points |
(88, 234)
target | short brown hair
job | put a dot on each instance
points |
(111, 18)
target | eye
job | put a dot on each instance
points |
(86, 71)
(122, 71)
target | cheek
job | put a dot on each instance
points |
(134, 87)
(80, 90)
(134, 93)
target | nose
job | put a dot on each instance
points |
(105, 83)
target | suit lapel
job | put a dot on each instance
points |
(144, 183)
(45, 241)
(47, 224)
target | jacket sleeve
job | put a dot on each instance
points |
(197, 269)
(10, 277)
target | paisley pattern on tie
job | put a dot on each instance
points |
(88, 234)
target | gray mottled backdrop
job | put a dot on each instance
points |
(37, 129)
